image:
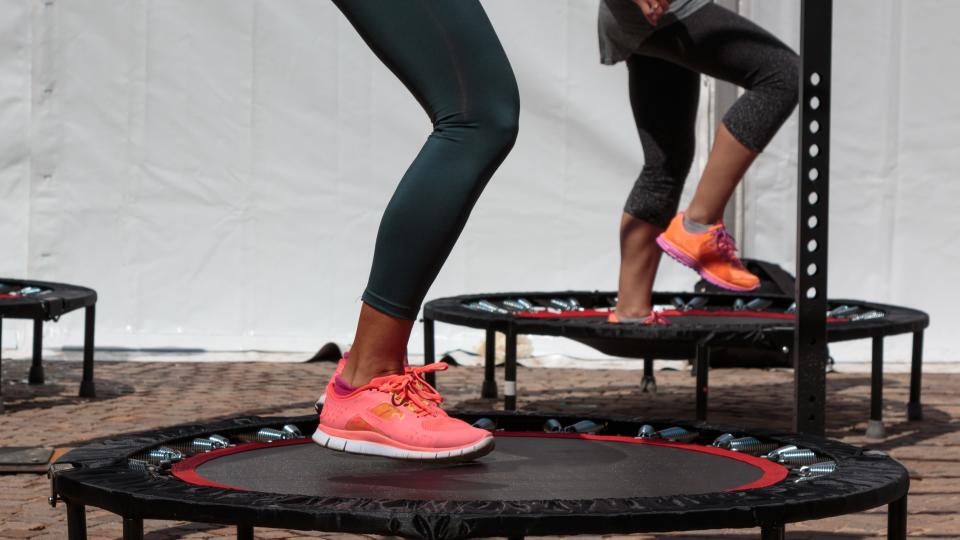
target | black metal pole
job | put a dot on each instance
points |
(1, 363)
(875, 428)
(897, 519)
(87, 386)
(489, 388)
(649, 379)
(132, 528)
(510, 370)
(36, 367)
(429, 356)
(914, 408)
(76, 522)
(244, 532)
(810, 338)
(773, 532)
(702, 367)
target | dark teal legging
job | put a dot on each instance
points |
(447, 54)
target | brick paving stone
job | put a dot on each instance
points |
(135, 396)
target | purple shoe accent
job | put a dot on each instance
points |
(692, 263)
(342, 387)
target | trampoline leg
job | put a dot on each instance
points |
(914, 409)
(87, 387)
(897, 519)
(772, 532)
(702, 366)
(36, 368)
(132, 528)
(76, 522)
(244, 532)
(1, 363)
(429, 355)
(649, 379)
(510, 371)
(875, 428)
(489, 388)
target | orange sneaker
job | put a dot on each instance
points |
(712, 254)
(398, 416)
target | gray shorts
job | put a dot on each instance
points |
(622, 26)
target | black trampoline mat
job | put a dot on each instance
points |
(521, 468)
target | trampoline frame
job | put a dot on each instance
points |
(98, 475)
(695, 345)
(60, 300)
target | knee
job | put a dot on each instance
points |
(783, 78)
(499, 120)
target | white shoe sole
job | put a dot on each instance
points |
(368, 448)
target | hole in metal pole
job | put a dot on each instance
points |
(813, 174)
(812, 246)
(812, 293)
(814, 103)
(812, 222)
(811, 269)
(815, 78)
(814, 150)
(814, 126)
(813, 197)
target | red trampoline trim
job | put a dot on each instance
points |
(668, 313)
(773, 473)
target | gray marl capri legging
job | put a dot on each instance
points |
(665, 88)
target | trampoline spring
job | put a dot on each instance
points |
(797, 457)
(291, 430)
(161, 454)
(647, 432)
(561, 304)
(584, 426)
(792, 308)
(677, 434)
(487, 305)
(696, 302)
(514, 305)
(574, 304)
(723, 441)
(485, 423)
(739, 304)
(867, 316)
(679, 303)
(219, 440)
(552, 426)
(526, 304)
(818, 469)
(842, 311)
(774, 455)
(139, 464)
(270, 435)
(750, 445)
(758, 304)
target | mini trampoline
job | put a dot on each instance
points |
(695, 326)
(43, 301)
(587, 476)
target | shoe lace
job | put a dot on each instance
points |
(656, 318)
(726, 245)
(413, 390)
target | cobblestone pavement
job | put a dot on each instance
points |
(135, 396)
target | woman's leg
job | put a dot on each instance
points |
(722, 44)
(448, 55)
(664, 100)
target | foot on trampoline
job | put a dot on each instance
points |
(399, 417)
(712, 254)
(875, 429)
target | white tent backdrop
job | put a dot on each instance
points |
(216, 170)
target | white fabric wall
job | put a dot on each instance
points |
(895, 128)
(217, 169)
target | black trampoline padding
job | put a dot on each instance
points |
(524, 467)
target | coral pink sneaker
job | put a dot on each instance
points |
(398, 416)
(712, 254)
